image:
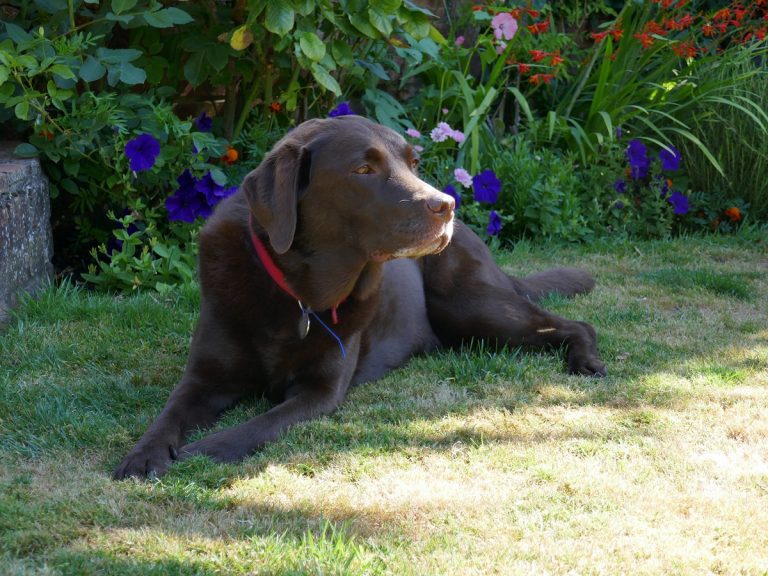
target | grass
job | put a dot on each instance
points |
(469, 462)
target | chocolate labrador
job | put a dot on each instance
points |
(333, 264)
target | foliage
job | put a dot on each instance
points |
(533, 95)
(739, 146)
(69, 74)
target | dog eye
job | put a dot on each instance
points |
(364, 169)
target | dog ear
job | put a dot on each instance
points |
(273, 191)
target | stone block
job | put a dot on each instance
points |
(26, 242)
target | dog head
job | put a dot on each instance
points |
(348, 181)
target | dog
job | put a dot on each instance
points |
(333, 264)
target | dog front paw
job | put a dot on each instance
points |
(586, 366)
(145, 462)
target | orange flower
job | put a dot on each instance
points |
(276, 107)
(684, 49)
(733, 213)
(617, 33)
(45, 133)
(645, 39)
(722, 15)
(597, 36)
(537, 55)
(539, 27)
(523, 68)
(708, 30)
(537, 79)
(556, 59)
(653, 27)
(230, 157)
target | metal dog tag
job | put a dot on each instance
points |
(303, 322)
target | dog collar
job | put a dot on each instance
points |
(279, 278)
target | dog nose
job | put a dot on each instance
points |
(442, 206)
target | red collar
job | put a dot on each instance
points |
(274, 272)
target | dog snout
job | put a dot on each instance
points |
(441, 205)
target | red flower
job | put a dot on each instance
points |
(761, 33)
(538, 55)
(276, 107)
(532, 13)
(556, 59)
(684, 49)
(523, 68)
(722, 15)
(539, 27)
(708, 30)
(645, 39)
(722, 27)
(654, 28)
(597, 36)
(685, 22)
(537, 79)
(616, 33)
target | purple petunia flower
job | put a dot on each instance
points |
(451, 191)
(342, 109)
(618, 132)
(142, 152)
(494, 223)
(670, 159)
(487, 187)
(620, 186)
(463, 177)
(204, 122)
(679, 201)
(186, 204)
(637, 155)
(619, 205)
(207, 187)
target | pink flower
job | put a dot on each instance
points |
(504, 26)
(445, 110)
(413, 133)
(458, 136)
(441, 133)
(418, 148)
(500, 47)
(459, 41)
(463, 177)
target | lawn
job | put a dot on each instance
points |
(471, 462)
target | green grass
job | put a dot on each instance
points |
(467, 462)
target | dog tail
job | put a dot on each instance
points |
(562, 281)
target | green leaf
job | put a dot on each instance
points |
(122, 18)
(217, 56)
(312, 46)
(120, 6)
(195, 69)
(380, 21)
(3, 74)
(22, 110)
(126, 73)
(363, 25)
(342, 53)
(303, 7)
(218, 176)
(167, 18)
(386, 6)
(279, 18)
(523, 102)
(26, 150)
(92, 70)
(63, 71)
(325, 79)
(110, 56)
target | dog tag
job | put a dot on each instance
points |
(303, 322)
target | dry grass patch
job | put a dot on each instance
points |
(469, 462)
